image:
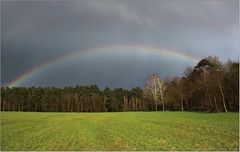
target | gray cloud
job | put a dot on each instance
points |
(34, 32)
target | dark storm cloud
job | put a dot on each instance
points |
(34, 32)
(107, 70)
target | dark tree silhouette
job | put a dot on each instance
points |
(210, 86)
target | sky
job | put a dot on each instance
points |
(115, 43)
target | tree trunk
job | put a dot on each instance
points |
(163, 106)
(68, 106)
(156, 105)
(3, 105)
(82, 107)
(136, 104)
(104, 102)
(224, 104)
(215, 102)
(72, 106)
(162, 102)
(182, 103)
(187, 105)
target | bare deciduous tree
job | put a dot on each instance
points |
(154, 89)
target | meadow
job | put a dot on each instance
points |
(119, 131)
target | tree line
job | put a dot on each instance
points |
(210, 86)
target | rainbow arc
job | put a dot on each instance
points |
(81, 53)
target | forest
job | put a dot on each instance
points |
(210, 86)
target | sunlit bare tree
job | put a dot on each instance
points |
(154, 90)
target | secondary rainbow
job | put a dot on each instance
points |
(77, 54)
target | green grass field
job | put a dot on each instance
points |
(119, 131)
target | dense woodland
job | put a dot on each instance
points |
(210, 86)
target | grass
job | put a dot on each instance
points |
(119, 131)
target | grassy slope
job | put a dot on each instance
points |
(119, 131)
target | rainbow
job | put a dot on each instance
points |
(76, 54)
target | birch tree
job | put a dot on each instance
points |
(154, 90)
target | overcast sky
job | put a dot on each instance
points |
(34, 32)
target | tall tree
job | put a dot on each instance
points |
(154, 90)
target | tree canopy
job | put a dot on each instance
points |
(210, 86)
